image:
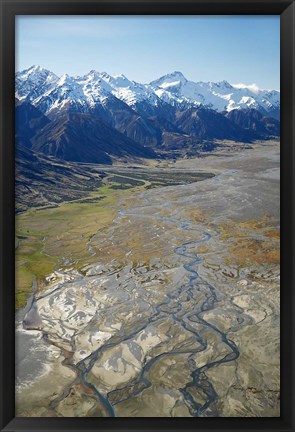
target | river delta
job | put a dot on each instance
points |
(168, 304)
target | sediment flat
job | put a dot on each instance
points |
(174, 309)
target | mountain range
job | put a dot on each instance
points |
(100, 118)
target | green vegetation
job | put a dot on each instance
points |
(52, 236)
(48, 236)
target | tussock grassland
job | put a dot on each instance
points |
(49, 236)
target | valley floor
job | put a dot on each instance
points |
(157, 301)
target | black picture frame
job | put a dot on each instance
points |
(11, 8)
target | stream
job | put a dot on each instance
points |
(172, 308)
(195, 284)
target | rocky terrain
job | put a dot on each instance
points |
(98, 118)
(162, 302)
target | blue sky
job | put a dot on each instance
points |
(204, 48)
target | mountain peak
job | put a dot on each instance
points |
(65, 78)
(120, 81)
(104, 75)
(93, 73)
(225, 83)
(173, 88)
(173, 76)
(177, 74)
(34, 81)
(172, 79)
(35, 68)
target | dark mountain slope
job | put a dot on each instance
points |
(43, 181)
(126, 120)
(252, 120)
(28, 121)
(208, 124)
(84, 138)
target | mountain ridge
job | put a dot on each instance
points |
(99, 118)
(171, 88)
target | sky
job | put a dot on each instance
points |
(239, 49)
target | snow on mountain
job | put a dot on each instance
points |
(128, 91)
(67, 93)
(221, 96)
(170, 81)
(94, 87)
(33, 82)
(48, 92)
(99, 86)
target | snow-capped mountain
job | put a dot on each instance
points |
(220, 96)
(33, 82)
(48, 92)
(66, 93)
(96, 117)
(128, 91)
